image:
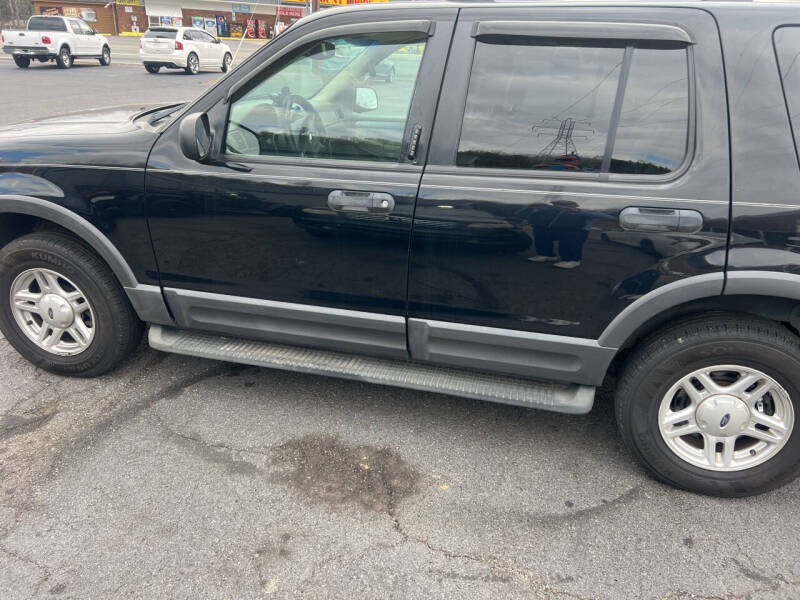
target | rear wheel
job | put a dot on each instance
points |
(64, 58)
(61, 307)
(105, 58)
(710, 405)
(22, 62)
(390, 75)
(192, 64)
(226, 62)
(152, 68)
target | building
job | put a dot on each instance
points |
(224, 19)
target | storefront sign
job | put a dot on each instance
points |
(290, 12)
(241, 8)
(128, 9)
(71, 11)
(88, 15)
(50, 11)
(130, 2)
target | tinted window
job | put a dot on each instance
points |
(653, 126)
(549, 106)
(787, 46)
(331, 99)
(160, 33)
(46, 24)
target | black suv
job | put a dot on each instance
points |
(541, 195)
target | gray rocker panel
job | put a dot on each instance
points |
(560, 358)
(286, 323)
(574, 399)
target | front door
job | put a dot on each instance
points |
(300, 232)
(577, 164)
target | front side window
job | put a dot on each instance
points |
(76, 28)
(552, 106)
(787, 47)
(342, 98)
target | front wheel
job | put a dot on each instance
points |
(105, 58)
(22, 62)
(61, 307)
(226, 62)
(192, 64)
(64, 58)
(710, 405)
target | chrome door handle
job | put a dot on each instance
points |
(352, 201)
(641, 218)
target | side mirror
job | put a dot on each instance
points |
(366, 99)
(195, 137)
(216, 40)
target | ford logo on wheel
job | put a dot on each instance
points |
(725, 420)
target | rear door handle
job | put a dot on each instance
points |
(641, 218)
(352, 201)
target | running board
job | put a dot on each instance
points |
(564, 398)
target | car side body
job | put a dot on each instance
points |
(394, 243)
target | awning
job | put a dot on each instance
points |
(162, 9)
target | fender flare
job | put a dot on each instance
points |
(775, 284)
(656, 302)
(35, 207)
(147, 300)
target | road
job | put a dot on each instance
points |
(184, 478)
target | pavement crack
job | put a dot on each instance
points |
(45, 571)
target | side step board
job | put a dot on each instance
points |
(574, 399)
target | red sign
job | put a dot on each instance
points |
(290, 11)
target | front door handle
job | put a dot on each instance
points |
(352, 201)
(640, 218)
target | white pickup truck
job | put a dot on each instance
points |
(62, 39)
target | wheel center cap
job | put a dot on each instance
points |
(723, 415)
(56, 311)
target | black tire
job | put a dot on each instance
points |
(119, 331)
(676, 351)
(390, 76)
(226, 62)
(64, 59)
(105, 59)
(152, 68)
(22, 62)
(192, 64)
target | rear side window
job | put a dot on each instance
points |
(553, 106)
(168, 34)
(787, 47)
(46, 24)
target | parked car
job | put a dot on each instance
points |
(187, 48)
(538, 133)
(62, 39)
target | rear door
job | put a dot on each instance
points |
(300, 232)
(578, 162)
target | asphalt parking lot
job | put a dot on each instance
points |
(186, 478)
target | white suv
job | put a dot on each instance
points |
(185, 48)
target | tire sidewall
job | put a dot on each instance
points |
(30, 256)
(650, 387)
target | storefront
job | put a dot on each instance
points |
(97, 14)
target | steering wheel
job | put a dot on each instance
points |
(304, 128)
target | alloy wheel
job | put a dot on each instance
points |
(726, 418)
(52, 312)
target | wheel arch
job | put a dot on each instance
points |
(767, 294)
(75, 224)
(22, 212)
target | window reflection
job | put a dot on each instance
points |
(549, 106)
(787, 46)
